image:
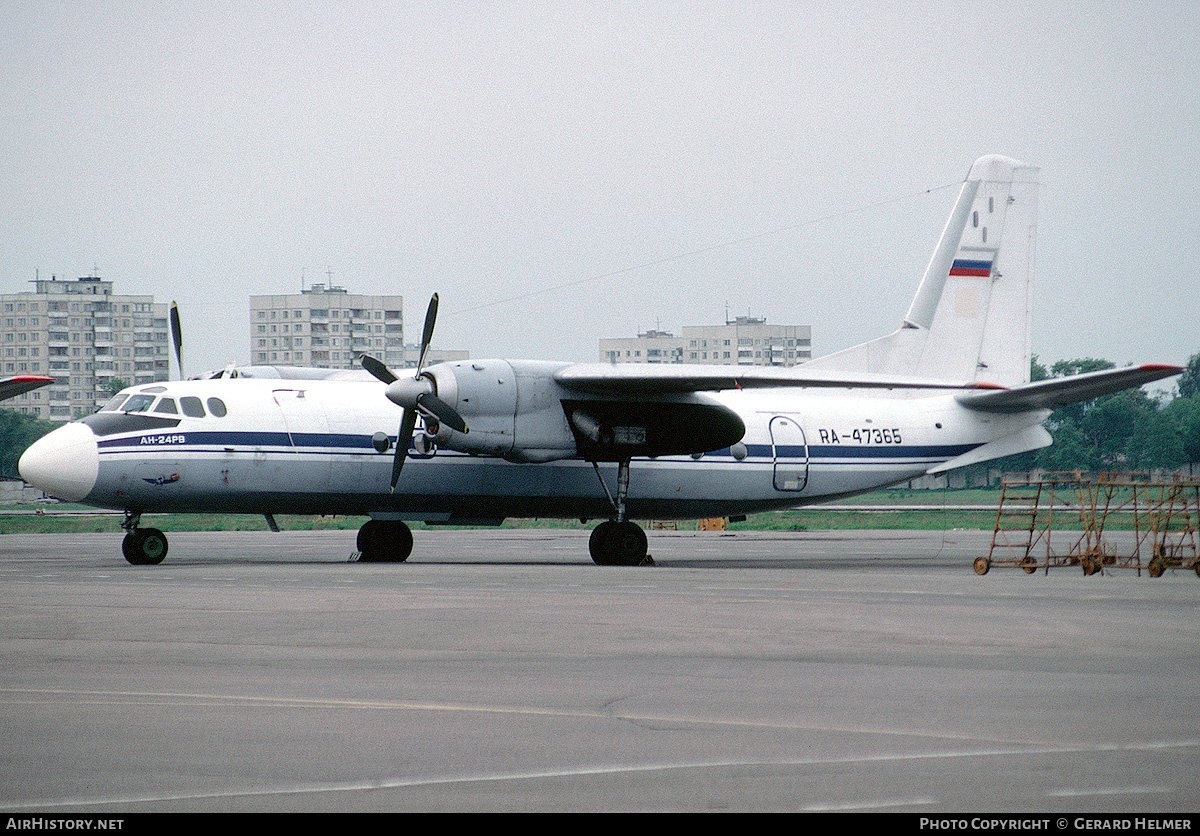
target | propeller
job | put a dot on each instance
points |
(417, 394)
(177, 337)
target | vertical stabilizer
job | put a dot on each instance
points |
(970, 318)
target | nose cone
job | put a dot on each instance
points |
(63, 463)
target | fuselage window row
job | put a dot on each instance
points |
(192, 407)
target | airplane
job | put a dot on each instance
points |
(482, 440)
(10, 387)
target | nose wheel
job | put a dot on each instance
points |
(142, 546)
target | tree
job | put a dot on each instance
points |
(1128, 430)
(1122, 431)
(1189, 381)
(1183, 416)
(17, 432)
(1036, 370)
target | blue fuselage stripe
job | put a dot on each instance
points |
(332, 443)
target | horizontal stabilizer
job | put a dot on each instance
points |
(1030, 438)
(1063, 391)
(655, 379)
(10, 387)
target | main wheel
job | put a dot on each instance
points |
(623, 544)
(384, 541)
(598, 544)
(982, 564)
(144, 546)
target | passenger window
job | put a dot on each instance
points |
(217, 407)
(192, 407)
(167, 407)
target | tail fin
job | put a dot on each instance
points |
(970, 318)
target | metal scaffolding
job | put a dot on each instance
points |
(1117, 520)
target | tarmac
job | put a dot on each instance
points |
(501, 671)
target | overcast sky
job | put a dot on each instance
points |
(563, 172)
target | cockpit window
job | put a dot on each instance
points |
(217, 407)
(167, 407)
(114, 404)
(192, 407)
(138, 403)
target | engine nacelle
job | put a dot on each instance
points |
(513, 409)
(518, 411)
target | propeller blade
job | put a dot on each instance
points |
(377, 369)
(414, 396)
(177, 337)
(427, 333)
(442, 411)
(407, 424)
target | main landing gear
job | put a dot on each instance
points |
(142, 546)
(384, 541)
(619, 541)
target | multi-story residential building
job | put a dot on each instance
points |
(329, 327)
(326, 327)
(90, 340)
(747, 341)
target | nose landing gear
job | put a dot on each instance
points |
(142, 546)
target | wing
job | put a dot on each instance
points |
(1063, 391)
(654, 379)
(657, 410)
(10, 387)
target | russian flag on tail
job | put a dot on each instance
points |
(970, 267)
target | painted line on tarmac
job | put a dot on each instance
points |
(590, 771)
(161, 698)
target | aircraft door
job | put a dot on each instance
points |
(789, 451)
(308, 432)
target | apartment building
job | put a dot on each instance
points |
(89, 339)
(746, 340)
(328, 327)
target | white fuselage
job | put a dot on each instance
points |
(305, 447)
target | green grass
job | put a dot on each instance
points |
(941, 515)
(944, 512)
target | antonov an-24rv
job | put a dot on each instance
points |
(523, 438)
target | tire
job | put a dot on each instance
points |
(598, 544)
(144, 547)
(384, 541)
(129, 548)
(365, 534)
(627, 544)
